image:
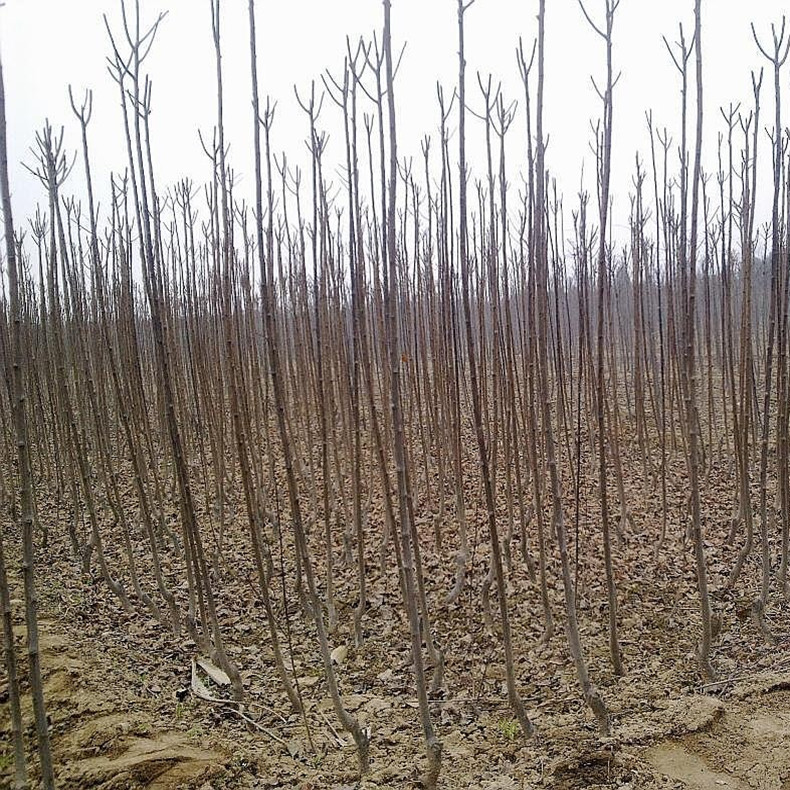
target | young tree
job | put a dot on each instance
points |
(589, 691)
(432, 743)
(604, 178)
(25, 477)
(690, 380)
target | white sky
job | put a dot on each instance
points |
(49, 44)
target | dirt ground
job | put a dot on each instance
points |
(123, 716)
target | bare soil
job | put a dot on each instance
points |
(123, 715)
(115, 724)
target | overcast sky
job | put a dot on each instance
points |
(49, 44)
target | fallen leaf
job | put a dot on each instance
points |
(213, 671)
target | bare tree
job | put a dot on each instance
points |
(25, 476)
(604, 178)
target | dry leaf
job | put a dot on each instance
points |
(213, 671)
(198, 687)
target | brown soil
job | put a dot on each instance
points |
(102, 736)
(105, 734)
(748, 746)
(123, 716)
